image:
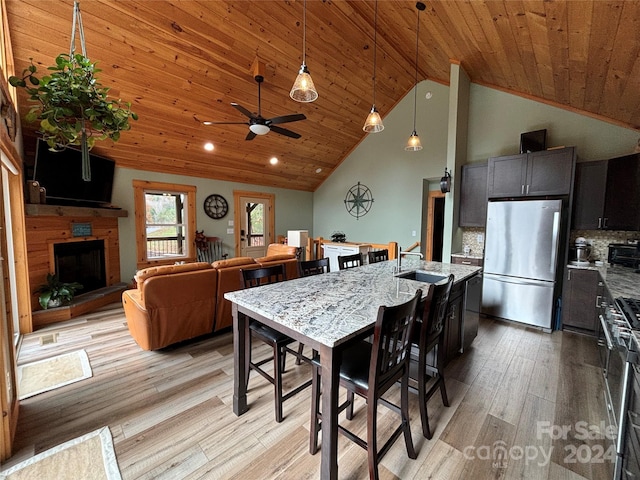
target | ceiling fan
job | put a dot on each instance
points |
(258, 125)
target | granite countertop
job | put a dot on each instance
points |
(335, 306)
(470, 255)
(620, 281)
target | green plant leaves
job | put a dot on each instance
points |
(71, 99)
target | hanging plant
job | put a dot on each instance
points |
(72, 106)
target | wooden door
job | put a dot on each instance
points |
(435, 225)
(254, 220)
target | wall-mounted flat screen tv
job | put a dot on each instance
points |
(60, 173)
(533, 141)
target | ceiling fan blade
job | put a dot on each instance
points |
(207, 122)
(243, 110)
(294, 117)
(285, 132)
(250, 135)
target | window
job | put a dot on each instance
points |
(165, 222)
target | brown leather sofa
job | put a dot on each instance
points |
(171, 303)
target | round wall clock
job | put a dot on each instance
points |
(216, 206)
(358, 200)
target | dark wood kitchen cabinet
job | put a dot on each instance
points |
(548, 172)
(589, 195)
(581, 290)
(473, 195)
(622, 196)
(453, 327)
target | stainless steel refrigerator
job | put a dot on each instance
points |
(520, 260)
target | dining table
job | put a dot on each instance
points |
(327, 313)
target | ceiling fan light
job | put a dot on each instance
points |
(259, 129)
(303, 89)
(413, 145)
(373, 124)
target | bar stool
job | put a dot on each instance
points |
(279, 342)
(429, 334)
(349, 261)
(376, 256)
(369, 370)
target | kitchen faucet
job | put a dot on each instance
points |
(400, 253)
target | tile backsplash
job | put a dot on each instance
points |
(599, 240)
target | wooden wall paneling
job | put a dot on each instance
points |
(44, 231)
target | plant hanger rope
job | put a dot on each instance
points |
(77, 26)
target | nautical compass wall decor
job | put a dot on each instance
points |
(358, 200)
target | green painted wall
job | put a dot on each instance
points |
(294, 210)
(496, 120)
(394, 176)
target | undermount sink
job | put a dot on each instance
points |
(421, 276)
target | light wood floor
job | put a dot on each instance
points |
(170, 411)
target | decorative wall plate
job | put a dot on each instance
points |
(216, 206)
(358, 200)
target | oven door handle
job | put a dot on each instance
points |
(607, 335)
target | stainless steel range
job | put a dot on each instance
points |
(625, 389)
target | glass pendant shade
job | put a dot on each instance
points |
(303, 89)
(413, 145)
(373, 124)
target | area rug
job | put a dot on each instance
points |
(90, 457)
(54, 372)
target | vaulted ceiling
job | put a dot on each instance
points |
(183, 61)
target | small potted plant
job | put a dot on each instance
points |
(55, 293)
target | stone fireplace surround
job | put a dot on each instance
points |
(48, 225)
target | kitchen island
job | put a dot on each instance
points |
(327, 312)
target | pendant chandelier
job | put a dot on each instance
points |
(303, 89)
(413, 144)
(373, 124)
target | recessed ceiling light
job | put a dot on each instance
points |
(428, 95)
(318, 170)
(209, 147)
(273, 161)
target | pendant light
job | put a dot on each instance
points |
(373, 124)
(414, 145)
(303, 89)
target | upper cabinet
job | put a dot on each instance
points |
(607, 193)
(588, 195)
(473, 195)
(548, 172)
(622, 196)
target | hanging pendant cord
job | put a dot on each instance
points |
(415, 89)
(304, 33)
(77, 25)
(375, 30)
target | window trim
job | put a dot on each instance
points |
(140, 187)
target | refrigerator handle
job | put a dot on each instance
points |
(554, 240)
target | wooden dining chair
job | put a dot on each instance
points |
(427, 336)
(279, 342)
(370, 370)
(349, 261)
(376, 256)
(314, 267)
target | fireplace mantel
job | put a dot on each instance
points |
(35, 209)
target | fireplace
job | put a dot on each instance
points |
(82, 262)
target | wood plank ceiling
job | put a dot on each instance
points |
(179, 61)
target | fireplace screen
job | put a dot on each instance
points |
(81, 262)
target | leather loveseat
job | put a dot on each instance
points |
(173, 303)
